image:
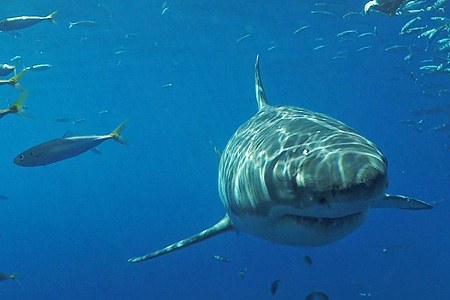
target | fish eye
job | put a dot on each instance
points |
(21, 157)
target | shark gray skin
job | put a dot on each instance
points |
(297, 177)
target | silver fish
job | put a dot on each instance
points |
(40, 67)
(64, 148)
(409, 24)
(16, 23)
(84, 23)
(438, 4)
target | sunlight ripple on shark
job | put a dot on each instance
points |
(297, 177)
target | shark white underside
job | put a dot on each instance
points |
(297, 177)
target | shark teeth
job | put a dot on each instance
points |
(323, 222)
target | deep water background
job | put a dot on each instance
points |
(68, 229)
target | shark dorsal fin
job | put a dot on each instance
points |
(261, 98)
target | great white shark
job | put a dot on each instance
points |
(297, 177)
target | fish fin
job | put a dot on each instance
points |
(220, 227)
(70, 24)
(51, 17)
(96, 150)
(17, 107)
(261, 98)
(15, 80)
(15, 278)
(115, 134)
(402, 202)
(68, 133)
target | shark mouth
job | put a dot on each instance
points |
(324, 222)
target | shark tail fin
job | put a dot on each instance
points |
(402, 202)
(220, 227)
(17, 107)
(51, 17)
(115, 134)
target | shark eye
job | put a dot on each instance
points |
(21, 157)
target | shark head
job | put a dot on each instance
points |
(299, 177)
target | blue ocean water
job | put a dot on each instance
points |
(182, 73)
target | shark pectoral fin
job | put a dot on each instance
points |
(402, 202)
(220, 227)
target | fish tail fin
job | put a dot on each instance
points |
(15, 80)
(220, 227)
(51, 17)
(13, 276)
(70, 24)
(115, 134)
(17, 107)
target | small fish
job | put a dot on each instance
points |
(300, 29)
(16, 108)
(4, 276)
(444, 46)
(437, 5)
(347, 32)
(103, 112)
(316, 295)
(62, 120)
(243, 38)
(167, 85)
(366, 34)
(319, 47)
(409, 24)
(165, 9)
(274, 286)
(363, 48)
(308, 260)
(442, 19)
(16, 58)
(16, 23)
(64, 148)
(40, 67)
(83, 23)
(410, 122)
(413, 4)
(443, 41)
(351, 13)
(336, 57)
(414, 11)
(3, 197)
(78, 121)
(222, 258)
(6, 69)
(242, 273)
(395, 48)
(413, 30)
(321, 12)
